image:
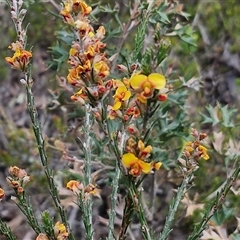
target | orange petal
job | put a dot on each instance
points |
(157, 80)
(129, 159)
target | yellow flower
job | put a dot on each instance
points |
(101, 68)
(147, 83)
(157, 165)
(60, 231)
(137, 166)
(203, 152)
(122, 94)
(189, 147)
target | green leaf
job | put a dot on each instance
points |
(213, 112)
(67, 37)
(163, 17)
(221, 215)
(227, 115)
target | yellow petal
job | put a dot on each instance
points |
(157, 80)
(129, 159)
(145, 167)
(127, 95)
(121, 89)
(117, 105)
(157, 165)
(137, 80)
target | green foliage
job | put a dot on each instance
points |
(221, 215)
(142, 42)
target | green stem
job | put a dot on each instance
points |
(115, 185)
(146, 232)
(27, 210)
(174, 206)
(41, 148)
(87, 173)
(214, 206)
(6, 231)
(127, 216)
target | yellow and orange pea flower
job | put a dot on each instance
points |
(60, 231)
(145, 85)
(198, 150)
(20, 59)
(75, 186)
(101, 68)
(138, 166)
(76, 6)
(122, 94)
(203, 152)
(144, 151)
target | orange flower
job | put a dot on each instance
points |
(137, 166)
(2, 194)
(42, 236)
(84, 7)
(146, 84)
(80, 96)
(101, 68)
(122, 94)
(75, 6)
(83, 27)
(144, 151)
(60, 231)
(75, 186)
(20, 59)
(90, 190)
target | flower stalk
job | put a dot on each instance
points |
(87, 173)
(6, 231)
(174, 207)
(115, 186)
(41, 148)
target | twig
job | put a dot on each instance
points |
(174, 206)
(41, 148)
(115, 185)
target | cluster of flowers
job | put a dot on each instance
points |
(18, 179)
(84, 192)
(89, 66)
(89, 72)
(194, 151)
(21, 57)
